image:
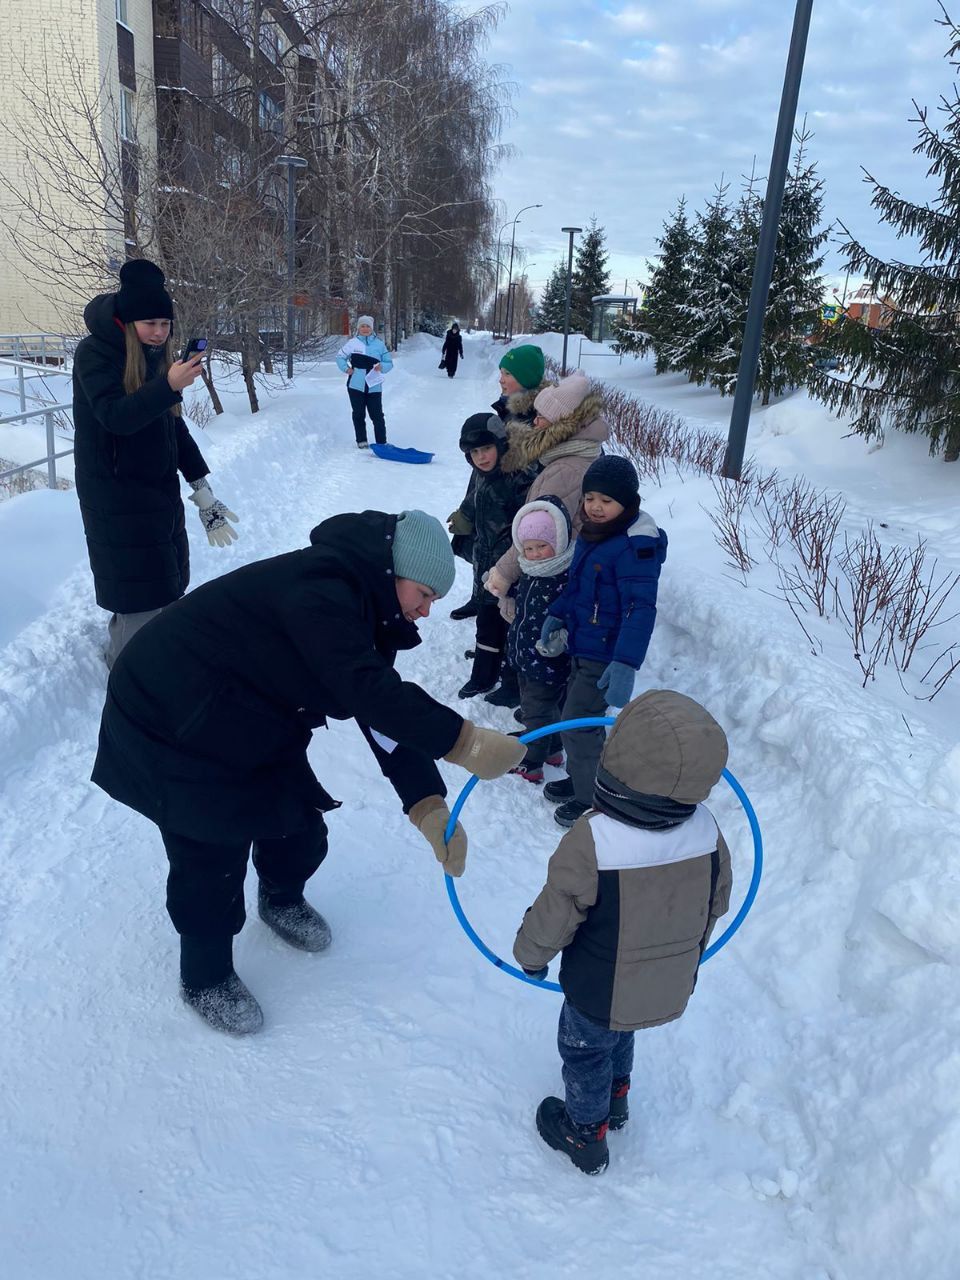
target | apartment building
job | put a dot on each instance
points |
(192, 80)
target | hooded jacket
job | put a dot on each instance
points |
(128, 450)
(534, 598)
(632, 909)
(609, 604)
(210, 707)
(492, 499)
(375, 353)
(563, 452)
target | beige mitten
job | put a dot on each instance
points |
(485, 752)
(508, 608)
(430, 816)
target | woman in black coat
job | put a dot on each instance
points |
(452, 350)
(211, 708)
(130, 441)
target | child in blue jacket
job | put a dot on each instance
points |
(365, 359)
(608, 610)
(542, 536)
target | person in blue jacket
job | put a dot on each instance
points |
(607, 610)
(365, 359)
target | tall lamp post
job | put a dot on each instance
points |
(766, 248)
(571, 232)
(513, 238)
(496, 287)
(291, 164)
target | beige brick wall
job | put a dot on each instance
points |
(48, 45)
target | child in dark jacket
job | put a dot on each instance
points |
(542, 536)
(607, 610)
(487, 511)
(633, 892)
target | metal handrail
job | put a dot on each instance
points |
(47, 412)
(22, 380)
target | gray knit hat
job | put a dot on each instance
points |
(422, 551)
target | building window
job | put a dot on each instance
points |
(271, 115)
(122, 12)
(270, 39)
(127, 115)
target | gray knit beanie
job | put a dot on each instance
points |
(422, 551)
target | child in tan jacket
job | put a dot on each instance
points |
(633, 892)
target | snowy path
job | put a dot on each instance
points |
(381, 1125)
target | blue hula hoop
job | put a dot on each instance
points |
(593, 722)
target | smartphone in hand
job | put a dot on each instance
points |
(194, 347)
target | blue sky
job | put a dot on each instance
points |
(620, 108)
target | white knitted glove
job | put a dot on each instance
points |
(213, 515)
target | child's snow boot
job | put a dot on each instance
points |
(508, 694)
(619, 1106)
(565, 815)
(486, 669)
(559, 791)
(209, 985)
(293, 919)
(584, 1144)
(468, 610)
(529, 772)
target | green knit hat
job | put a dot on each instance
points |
(526, 364)
(422, 552)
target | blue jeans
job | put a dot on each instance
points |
(593, 1057)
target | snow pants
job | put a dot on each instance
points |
(362, 403)
(205, 881)
(583, 746)
(540, 706)
(593, 1057)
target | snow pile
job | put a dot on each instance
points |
(803, 1112)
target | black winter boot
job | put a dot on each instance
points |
(584, 1144)
(296, 922)
(486, 668)
(559, 791)
(619, 1105)
(468, 610)
(508, 692)
(565, 815)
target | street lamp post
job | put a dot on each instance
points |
(513, 237)
(496, 287)
(766, 248)
(292, 164)
(571, 232)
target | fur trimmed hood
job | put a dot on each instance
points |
(528, 445)
(517, 408)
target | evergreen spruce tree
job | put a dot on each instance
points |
(907, 375)
(705, 347)
(553, 301)
(796, 287)
(659, 322)
(590, 278)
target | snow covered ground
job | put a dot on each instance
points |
(799, 1123)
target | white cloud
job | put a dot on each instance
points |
(633, 18)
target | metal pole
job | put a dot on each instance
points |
(766, 249)
(571, 232)
(51, 450)
(513, 236)
(23, 389)
(496, 287)
(291, 259)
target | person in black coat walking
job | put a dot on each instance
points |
(130, 441)
(210, 711)
(452, 350)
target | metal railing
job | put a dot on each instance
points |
(37, 373)
(44, 348)
(48, 413)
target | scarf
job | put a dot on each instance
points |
(592, 531)
(652, 813)
(547, 568)
(571, 449)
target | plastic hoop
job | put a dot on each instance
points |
(594, 722)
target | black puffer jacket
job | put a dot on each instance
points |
(128, 450)
(492, 499)
(210, 707)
